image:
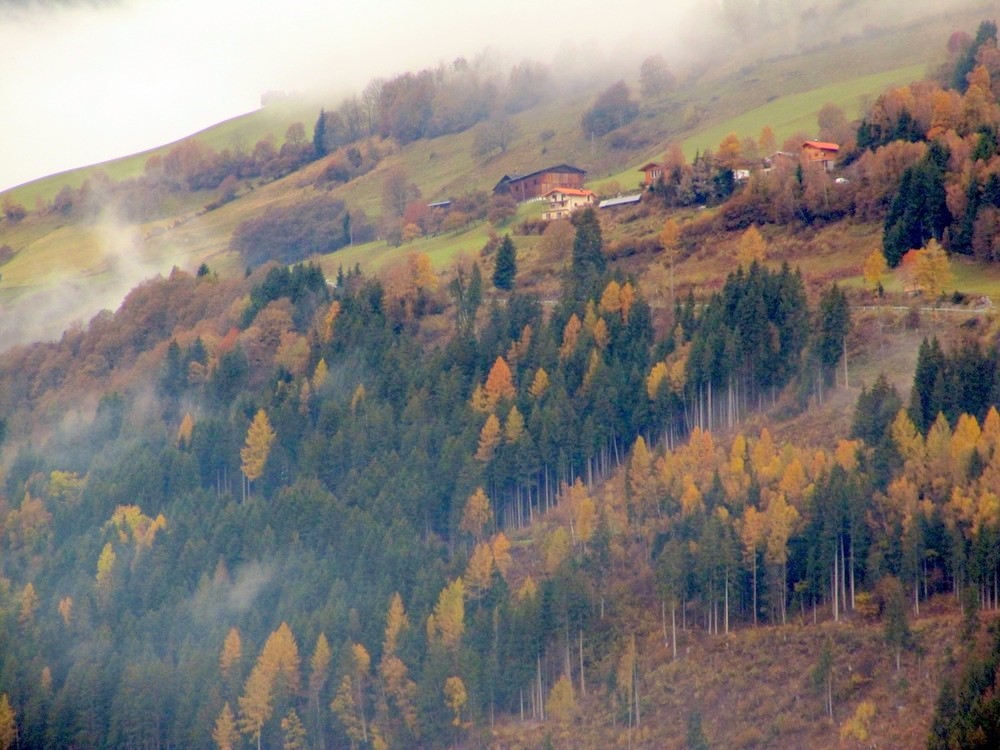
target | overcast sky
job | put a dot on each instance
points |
(87, 80)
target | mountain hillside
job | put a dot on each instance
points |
(344, 469)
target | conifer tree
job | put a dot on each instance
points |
(319, 135)
(8, 724)
(256, 703)
(254, 453)
(319, 672)
(489, 439)
(293, 731)
(476, 515)
(505, 270)
(225, 734)
(588, 262)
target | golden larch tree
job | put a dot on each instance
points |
(231, 654)
(489, 439)
(319, 672)
(293, 732)
(611, 302)
(455, 697)
(875, 268)
(396, 621)
(66, 610)
(105, 571)
(499, 384)
(501, 553)
(446, 624)
(479, 571)
(753, 247)
(514, 425)
(571, 334)
(477, 514)
(184, 431)
(280, 657)
(539, 384)
(560, 703)
(256, 703)
(670, 237)
(254, 453)
(225, 734)
(346, 709)
(8, 724)
(932, 272)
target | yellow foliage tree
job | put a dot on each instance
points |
(582, 511)
(455, 697)
(571, 334)
(932, 272)
(8, 724)
(320, 375)
(626, 299)
(489, 439)
(225, 734)
(446, 624)
(66, 610)
(280, 657)
(345, 706)
(328, 320)
(254, 453)
(501, 553)
(479, 571)
(875, 268)
(293, 731)
(105, 571)
(232, 653)
(560, 703)
(657, 375)
(184, 431)
(256, 703)
(753, 247)
(476, 515)
(540, 383)
(556, 547)
(611, 302)
(319, 667)
(499, 384)
(858, 727)
(963, 444)
(396, 621)
(514, 426)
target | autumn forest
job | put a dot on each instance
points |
(498, 505)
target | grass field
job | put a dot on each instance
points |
(784, 93)
(243, 130)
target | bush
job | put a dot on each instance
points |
(288, 234)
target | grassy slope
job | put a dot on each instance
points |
(243, 130)
(728, 101)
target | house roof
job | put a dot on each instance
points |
(570, 191)
(822, 145)
(621, 200)
(651, 164)
(556, 168)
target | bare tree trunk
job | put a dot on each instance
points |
(673, 625)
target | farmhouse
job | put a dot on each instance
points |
(820, 152)
(563, 201)
(652, 173)
(533, 185)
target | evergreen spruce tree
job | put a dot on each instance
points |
(506, 265)
(319, 135)
(588, 262)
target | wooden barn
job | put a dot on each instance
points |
(536, 184)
